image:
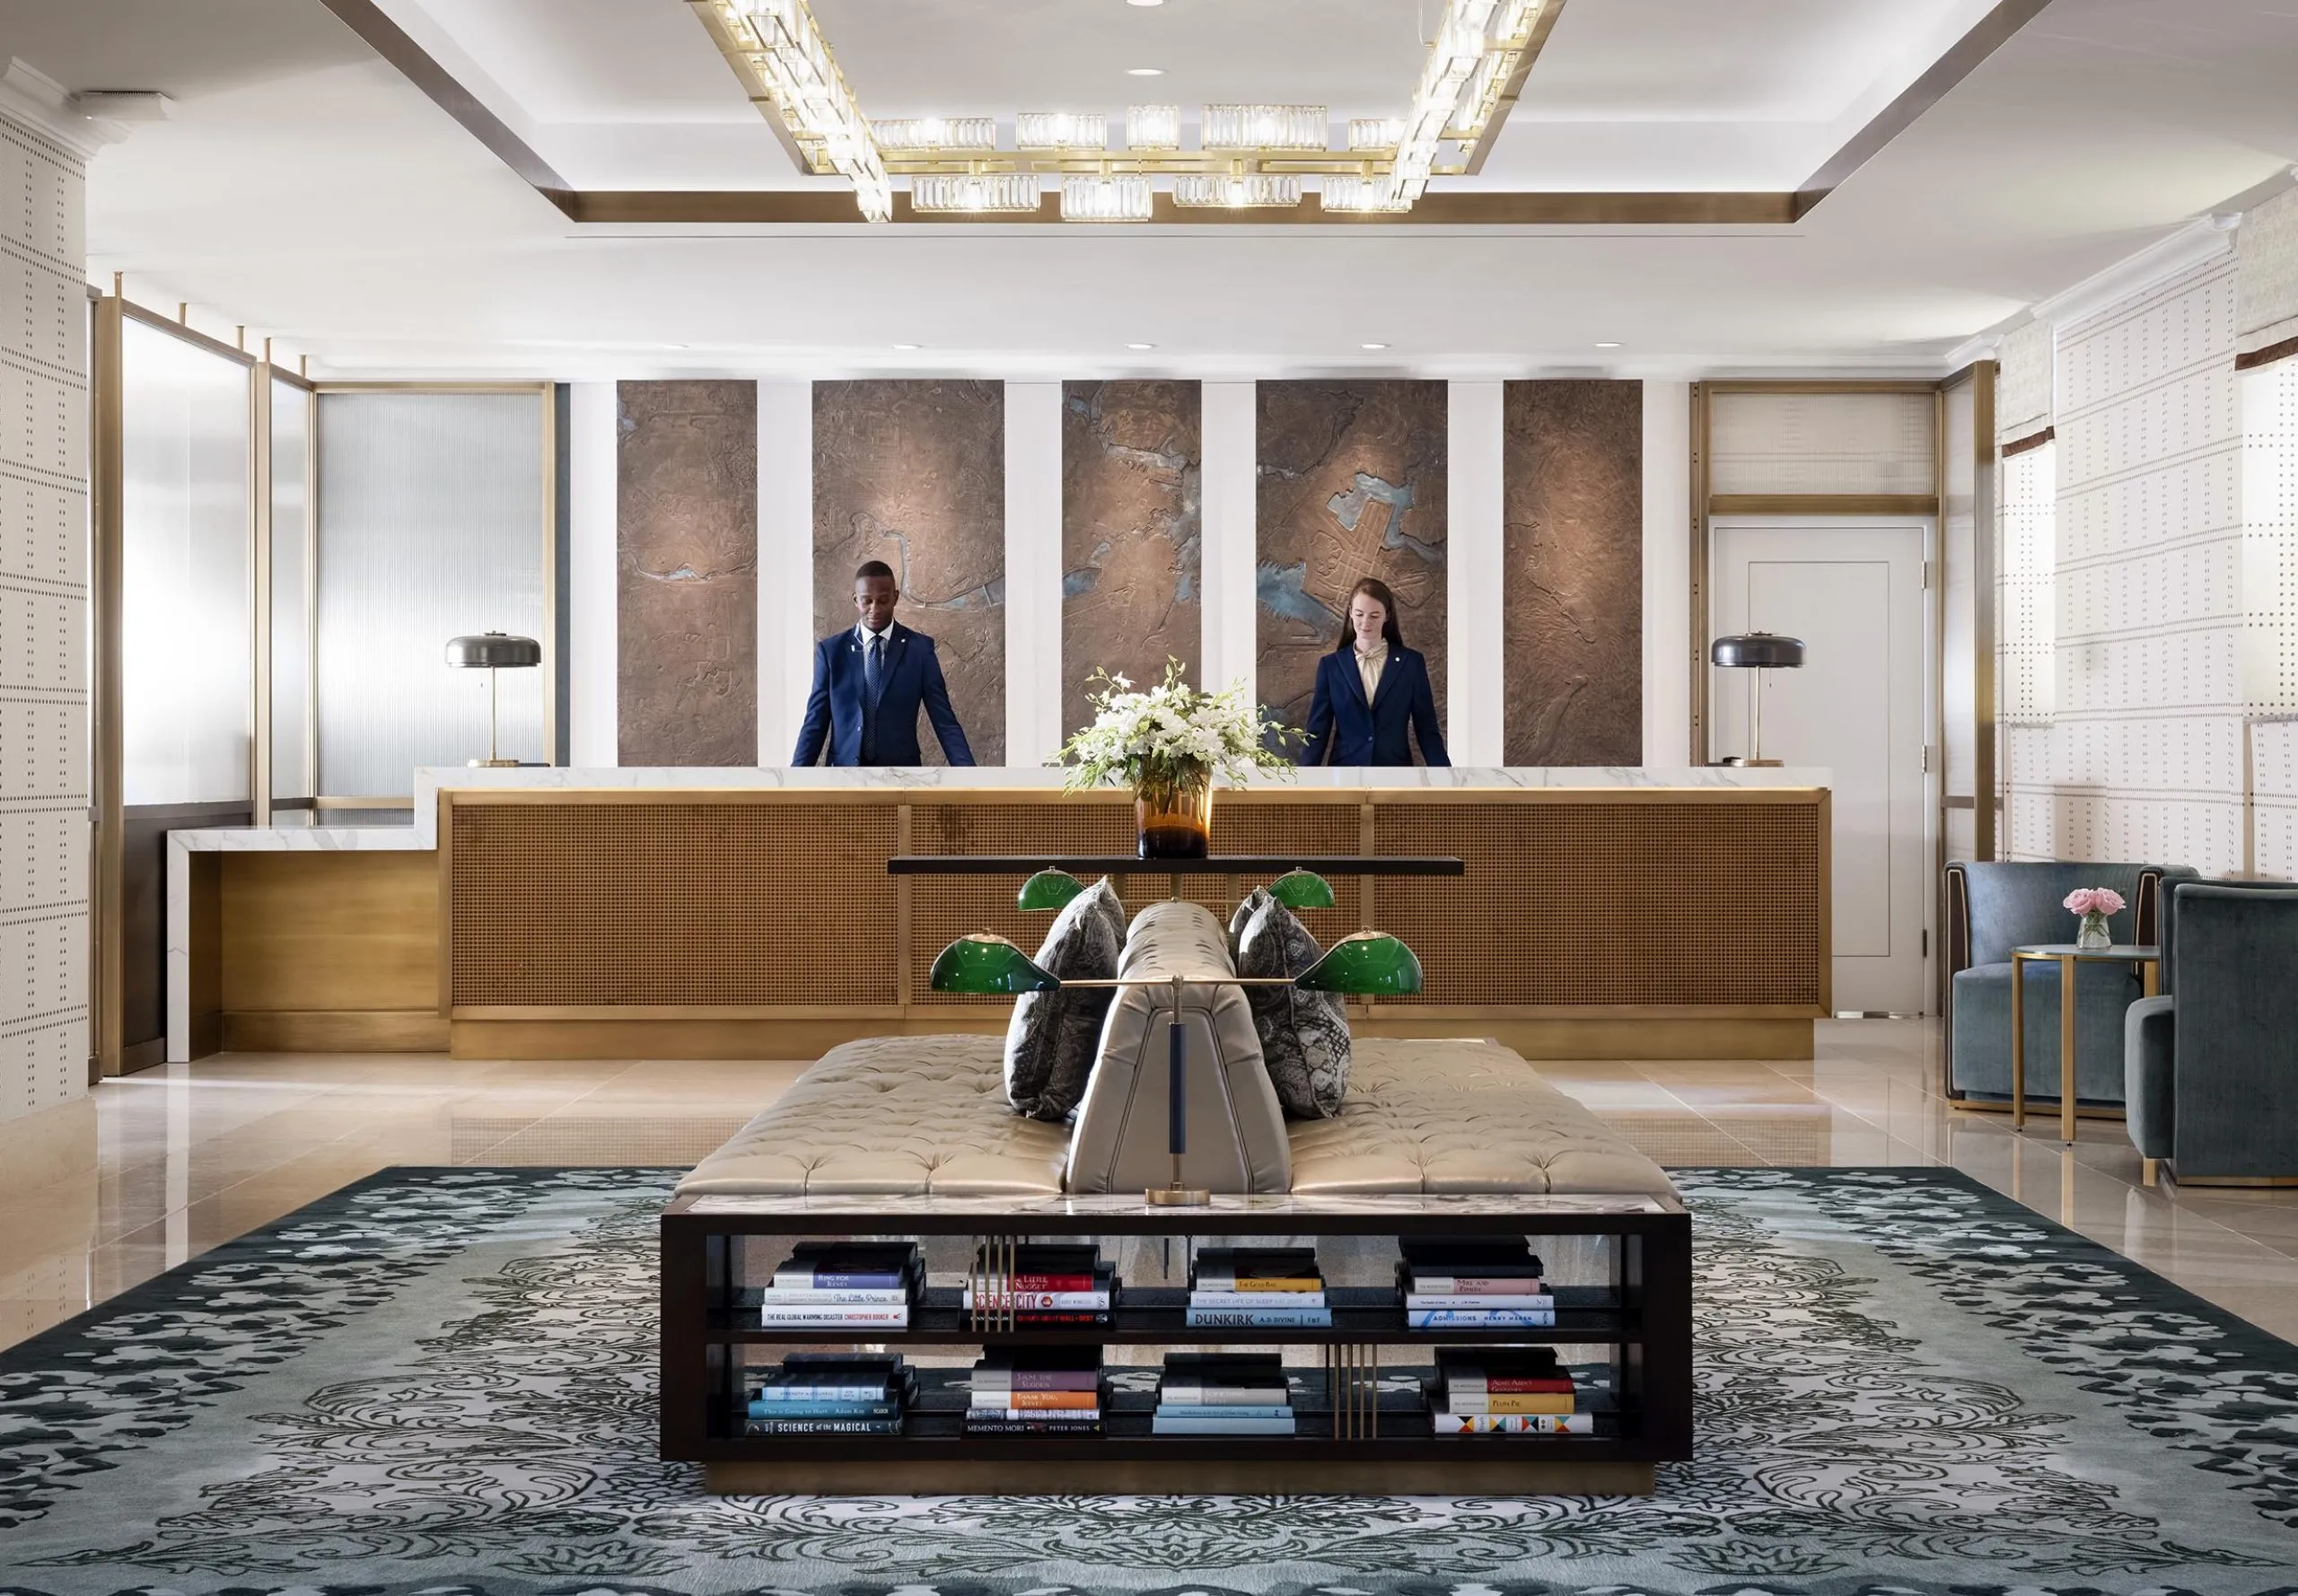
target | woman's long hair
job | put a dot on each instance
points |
(1375, 589)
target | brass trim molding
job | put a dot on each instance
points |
(2018, 446)
(1823, 503)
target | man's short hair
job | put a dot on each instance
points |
(870, 568)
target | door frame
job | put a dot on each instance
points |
(1933, 773)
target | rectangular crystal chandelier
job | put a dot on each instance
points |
(1061, 130)
(807, 89)
(987, 192)
(1152, 127)
(1244, 190)
(1265, 127)
(1368, 134)
(936, 133)
(1361, 195)
(1121, 197)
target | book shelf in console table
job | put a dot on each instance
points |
(1361, 1421)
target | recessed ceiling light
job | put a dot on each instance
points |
(1145, 71)
(905, 346)
(1141, 346)
(1608, 345)
(1371, 345)
(1144, 2)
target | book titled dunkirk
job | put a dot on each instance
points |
(1259, 1319)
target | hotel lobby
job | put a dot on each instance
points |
(1124, 797)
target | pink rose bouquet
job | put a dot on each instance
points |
(2094, 904)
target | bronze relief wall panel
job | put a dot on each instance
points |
(1352, 482)
(686, 573)
(1572, 629)
(913, 472)
(1132, 462)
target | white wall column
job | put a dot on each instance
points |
(1033, 661)
(786, 563)
(1667, 572)
(593, 643)
(1231, 490)
(1476, 535)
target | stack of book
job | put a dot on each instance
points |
(844, 1285)
(1506, 1391)
(1473, 1285)
(1224, 1393)
(1256, 1288)
(831, 1393)
(1035, 1390)
(1050, 1286)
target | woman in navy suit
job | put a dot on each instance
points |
(1369, 688)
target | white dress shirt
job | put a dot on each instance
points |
(1369, 667)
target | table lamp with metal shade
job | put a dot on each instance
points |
(1757, 651)
(1364, 964)
(493, 652)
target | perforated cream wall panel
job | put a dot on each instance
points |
(2145, 755)
(43, 627)
(1821, 442)
(2274, 773)
(2026, 670)
(2270, 397)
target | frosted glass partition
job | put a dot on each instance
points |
(291, 592)
(1821, 442)
(187, 675)
(431, 525)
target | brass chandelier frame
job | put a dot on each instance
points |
(731, 29)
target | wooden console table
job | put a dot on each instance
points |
(1630, 1318)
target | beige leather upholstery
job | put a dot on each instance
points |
(1445, 1115)
(1236, 1129)
(910, 1115)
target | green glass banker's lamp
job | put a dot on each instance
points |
(1364, 964)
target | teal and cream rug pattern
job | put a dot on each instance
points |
(441, 1381)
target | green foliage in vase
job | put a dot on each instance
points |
(1170, 739)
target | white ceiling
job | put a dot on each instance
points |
(305, 190)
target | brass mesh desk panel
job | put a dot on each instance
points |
(1590, 922)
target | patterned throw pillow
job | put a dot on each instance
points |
(1246, 908)
(1303, 1035)
(1104, 895)
(1053, 1038)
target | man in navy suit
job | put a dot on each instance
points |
(869, 684)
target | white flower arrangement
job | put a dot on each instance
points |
(1170, 738)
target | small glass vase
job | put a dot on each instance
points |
(1175, 820)
(2093, 933)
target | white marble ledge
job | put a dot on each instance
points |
(1038, 778)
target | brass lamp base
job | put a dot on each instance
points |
(493, 765)
(1177, 1196)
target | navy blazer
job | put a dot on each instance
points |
(913, 678)
(1355, 732)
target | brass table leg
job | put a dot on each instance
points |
(2066, 1051)
(2150, 978)
(2018, 1043)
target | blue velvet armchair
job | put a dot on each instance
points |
(1994, 907)
(2210, 1065)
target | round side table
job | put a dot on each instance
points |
(2067, 956)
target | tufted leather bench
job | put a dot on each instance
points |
(926, 1116)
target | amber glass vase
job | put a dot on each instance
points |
(1175, 817)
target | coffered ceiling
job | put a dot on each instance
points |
(311, 188)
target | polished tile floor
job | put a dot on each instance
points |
(194, 1154)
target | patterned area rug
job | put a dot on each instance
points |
(442, 1382)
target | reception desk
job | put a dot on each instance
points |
(739, 914)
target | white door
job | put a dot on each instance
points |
(1855, 595)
